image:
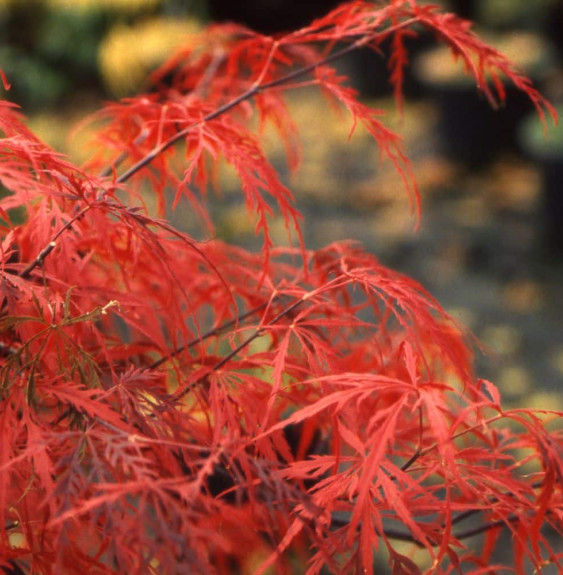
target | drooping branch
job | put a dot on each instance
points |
(364, 39)
(256, 89)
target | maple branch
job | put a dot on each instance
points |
(206, 335)
(257, 333)
(253, 91)
(419, 452)
(40, 257)
(407, 537)
(200, 89)
(182, 348)
(52, 244)
(124, 155)
(416, 454)
(250, 93)
(466, 514)
(486, 527)
(157, 150)
(406, 465)
(469, 513)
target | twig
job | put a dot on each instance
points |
(52, 244)
(206, 335)
(486, 527)
(199, 89)
(40, 257)
(182, 348)
(257, 333)
(250, 93)
(407, 537)
(124, 155)
(156, 151)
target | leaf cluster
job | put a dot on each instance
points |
(172, 403)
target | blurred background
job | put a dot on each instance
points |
(490, 243)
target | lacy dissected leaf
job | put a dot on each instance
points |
(172, 403)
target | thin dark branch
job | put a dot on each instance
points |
(123, 156)
(257, 333)
(408, 464)
(486, 527)
(250, 93)
(200, 88)
(206, 335)
(182, 348)
(155, 152)
(404, 536)
(52, 244)
(40, 257)
(467, 514)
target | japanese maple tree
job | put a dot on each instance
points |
(171, 403)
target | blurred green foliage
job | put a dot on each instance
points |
(49, 49)
(47, 54)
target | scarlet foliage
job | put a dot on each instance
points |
(175, 404)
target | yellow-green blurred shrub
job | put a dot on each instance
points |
(128, 52)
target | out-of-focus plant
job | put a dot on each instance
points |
(119, 6)
(54, 48)
(123, 69)
(514, 13)
(49, 53)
